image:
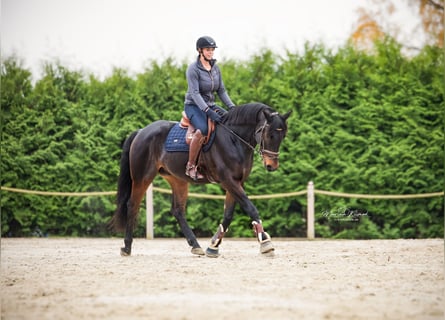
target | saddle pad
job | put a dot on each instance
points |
(175, 141)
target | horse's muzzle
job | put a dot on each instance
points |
(270, 160)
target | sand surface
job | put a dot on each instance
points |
(77, 278)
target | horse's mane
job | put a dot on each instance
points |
(245, 114)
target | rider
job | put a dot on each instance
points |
(204, 79)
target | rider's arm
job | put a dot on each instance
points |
(222, 93)
(225, 98)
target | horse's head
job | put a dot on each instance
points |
(269, 135)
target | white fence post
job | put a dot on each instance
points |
(310, 210)
(149, 212)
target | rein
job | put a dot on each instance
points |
(262, 151)
(239, 138)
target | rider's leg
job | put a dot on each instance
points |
(195, 147)
(198, 118)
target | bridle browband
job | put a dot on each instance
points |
(260, 141)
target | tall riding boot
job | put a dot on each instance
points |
(195, 147)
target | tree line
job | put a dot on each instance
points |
(362, 122)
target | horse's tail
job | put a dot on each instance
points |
(124, 185)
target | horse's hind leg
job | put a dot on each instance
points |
(229, 206)
(137, 193)
(179, 201)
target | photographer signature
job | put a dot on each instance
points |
(345, 214)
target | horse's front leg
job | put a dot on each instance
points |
(266, 246)
(229, 206)
(263, 237)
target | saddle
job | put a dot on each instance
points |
(186, 124)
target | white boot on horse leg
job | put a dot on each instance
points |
(266, 246)
(213, 249)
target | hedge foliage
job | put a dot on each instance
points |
(361, 123)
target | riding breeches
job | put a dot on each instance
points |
(198, 118)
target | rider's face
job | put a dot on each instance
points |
(208, 52)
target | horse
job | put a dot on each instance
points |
(227, 162)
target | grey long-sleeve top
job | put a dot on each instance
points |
(202, 85)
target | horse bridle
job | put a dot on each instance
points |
(262, 150)
(260, 141)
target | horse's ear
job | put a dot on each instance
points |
(287, 114)
(268, 114)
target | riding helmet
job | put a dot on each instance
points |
(205, 42)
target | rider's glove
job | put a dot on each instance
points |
(213, 115)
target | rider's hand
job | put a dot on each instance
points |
(213, 115)
(221, 111)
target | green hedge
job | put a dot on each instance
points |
(361, 123)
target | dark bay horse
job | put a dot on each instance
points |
(228, 162)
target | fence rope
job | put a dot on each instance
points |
(378, 196)
(222, 197)
(160, 190)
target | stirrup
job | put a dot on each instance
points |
(196, 175)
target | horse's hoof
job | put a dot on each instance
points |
(267, 248)
(212, 253)
(198, 251)
(270, 254)
(125, 252)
